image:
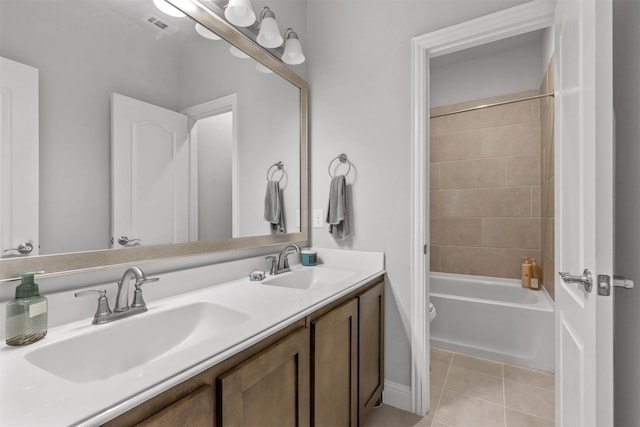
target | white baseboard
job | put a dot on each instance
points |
(397, 395)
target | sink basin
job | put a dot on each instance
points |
(308, 277)
(122, 345)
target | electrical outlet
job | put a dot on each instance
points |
(318, 218)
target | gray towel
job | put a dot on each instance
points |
(337, 210)
(273, 208)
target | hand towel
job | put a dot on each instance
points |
(337, 210)
(273, 209)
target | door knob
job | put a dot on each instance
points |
(24, 248)
(124, 240)
(585, 280)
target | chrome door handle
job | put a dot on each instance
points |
(124, 240)
(585, 280)
(24, 248)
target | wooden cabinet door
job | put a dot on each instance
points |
(334, 352)
(371, 349)
(269, 389)
(194, 410)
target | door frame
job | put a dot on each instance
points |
(507, 23)
(211, 108)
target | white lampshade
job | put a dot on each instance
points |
(240, 13)
(238, 53)
(168, 8)
(206, 33)
(269, 35)
(292, 50)
(263, 69)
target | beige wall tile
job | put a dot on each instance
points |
(516, 233)
(549, 240)
(513, 260)
(536, 207)
(454, 146)
(473, 174)
(522, 138)
(476, 102)
(455, 232)
(434, 258)
(535, 110)
(523, 170)
(434, 176)
(519, 112)
(475, 261)
(495, 202)
(459, 410)
(445, 203)
(548, 273)
(530, 400)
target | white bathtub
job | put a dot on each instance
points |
(493, 318)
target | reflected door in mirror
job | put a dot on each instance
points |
(150, 173)
(19, 169)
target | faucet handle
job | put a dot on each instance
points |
(103, 309)
(138, 301)
(274, 264)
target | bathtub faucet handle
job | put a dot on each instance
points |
(585, 280)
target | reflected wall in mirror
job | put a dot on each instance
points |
(86, 51)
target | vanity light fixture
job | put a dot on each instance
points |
(269, 35)
(238, 53)
(168, 9)
(240, 13)
(206, 33)
(292, 49)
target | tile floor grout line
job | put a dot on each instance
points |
(530, 415)
(435, 414)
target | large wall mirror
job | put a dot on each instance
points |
(128, 135)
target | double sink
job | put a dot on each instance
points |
(104, 351)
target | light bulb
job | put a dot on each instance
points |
(206, 33)
(240, 13)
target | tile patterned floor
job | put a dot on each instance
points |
(470, 391)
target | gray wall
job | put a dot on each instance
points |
(626, 100)
(500, 73)
(215, 148)
(359, 60)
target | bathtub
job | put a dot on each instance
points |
(493, 318)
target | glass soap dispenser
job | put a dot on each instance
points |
(27, 313)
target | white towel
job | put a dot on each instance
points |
(337, 216)
(273, 208)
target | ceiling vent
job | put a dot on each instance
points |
(159, 24)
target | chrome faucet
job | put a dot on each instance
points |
(122, 299)
(283, 262)
(122, 308)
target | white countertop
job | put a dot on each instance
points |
(31, 396)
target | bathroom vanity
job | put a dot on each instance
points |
(303, 347)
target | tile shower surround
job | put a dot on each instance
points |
(487, 203)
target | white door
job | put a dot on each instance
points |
(149, 174)
(584, 211)
(19, 154)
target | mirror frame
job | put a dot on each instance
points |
(60, 263)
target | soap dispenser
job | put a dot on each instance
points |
(27, 313)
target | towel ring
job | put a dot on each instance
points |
(343, 159)
(280, 167)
